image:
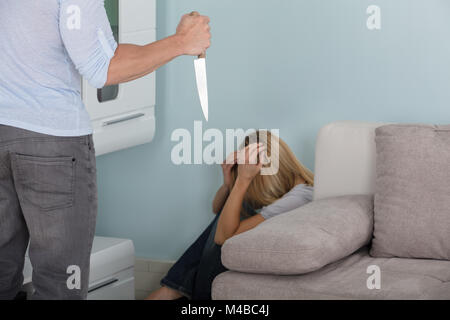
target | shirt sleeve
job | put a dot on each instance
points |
(88, 38)
(297, 197)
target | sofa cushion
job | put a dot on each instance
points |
(412, 199)
(345, 279)
(303, 240)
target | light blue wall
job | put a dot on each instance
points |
(289, 64)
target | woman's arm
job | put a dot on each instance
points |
(229, 223)
(220, 198)
(230, 217)
(224, 190)
(131, 62)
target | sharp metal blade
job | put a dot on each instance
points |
(202, 84)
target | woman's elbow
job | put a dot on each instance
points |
(215, 209)
(218, 239)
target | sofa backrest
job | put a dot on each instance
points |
(345, 159)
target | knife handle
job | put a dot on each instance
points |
(194, 14)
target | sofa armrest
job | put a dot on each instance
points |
(303, 240)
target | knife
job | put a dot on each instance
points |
(200, 76)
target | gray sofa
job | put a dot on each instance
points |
(323, 250)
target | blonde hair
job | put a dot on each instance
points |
(266, 189)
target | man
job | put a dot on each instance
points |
(48, 194)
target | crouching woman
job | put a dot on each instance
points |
(245, 199)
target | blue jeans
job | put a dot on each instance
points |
(193, 274)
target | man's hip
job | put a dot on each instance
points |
(48, 194)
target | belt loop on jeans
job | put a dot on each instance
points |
(87, 141)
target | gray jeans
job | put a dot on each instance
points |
(48, 197)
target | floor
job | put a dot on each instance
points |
(148, 273)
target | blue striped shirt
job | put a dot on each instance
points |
(45, 48)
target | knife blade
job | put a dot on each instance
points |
(200, 76)
(202, 83)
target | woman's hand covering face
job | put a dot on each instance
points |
(227, 165)
(248, 159)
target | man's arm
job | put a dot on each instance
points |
(131, 62)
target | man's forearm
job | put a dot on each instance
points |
(131, 62)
